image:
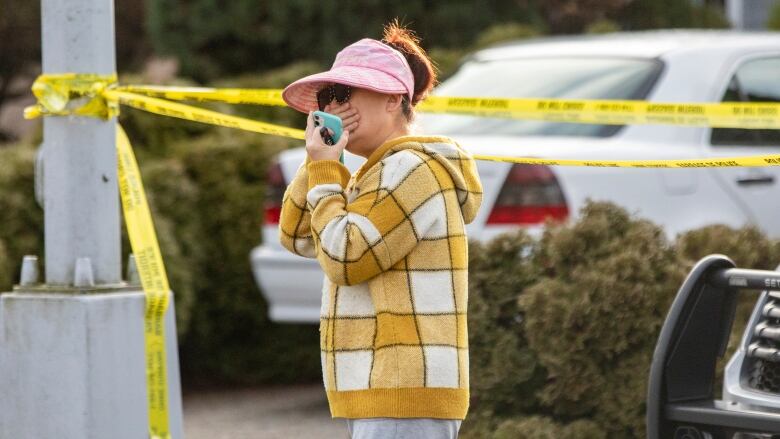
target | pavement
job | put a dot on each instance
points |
(288, 412)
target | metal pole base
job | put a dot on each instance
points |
(72, 366)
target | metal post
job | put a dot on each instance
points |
(80, 191)
(735, 12)
(72, 357)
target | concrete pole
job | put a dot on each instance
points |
(81, 196)
(72, 358)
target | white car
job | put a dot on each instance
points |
(662, 66)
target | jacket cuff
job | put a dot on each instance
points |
(327, 171)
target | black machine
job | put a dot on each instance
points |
(680, 400)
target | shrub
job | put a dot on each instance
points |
(21, 219)
(562, 328)
(502, 32)
(231, 338)
(656, 14)
(594, 314)
(212, 40)
(748, 247)
(572, 16)
(539, 427)
(20, 32)
(660, 14)
(505, 372)
(773, 22)
(6, 278)
(22, 223)
(602, 27)
(709, 17)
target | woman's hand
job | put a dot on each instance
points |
(317, 148)
(349, 116)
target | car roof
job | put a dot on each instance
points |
(644, 44)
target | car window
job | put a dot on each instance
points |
(553, 77)
(754, 81)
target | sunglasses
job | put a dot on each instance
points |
(339, 92)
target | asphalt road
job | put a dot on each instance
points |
(261, 413)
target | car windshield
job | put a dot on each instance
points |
(559, 77)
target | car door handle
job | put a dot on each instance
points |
(761, 179)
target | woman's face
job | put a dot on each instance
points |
(378, 118)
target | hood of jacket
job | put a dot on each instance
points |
(457, 161)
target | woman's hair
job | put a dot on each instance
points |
(423, 69)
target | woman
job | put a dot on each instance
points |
(391, 241)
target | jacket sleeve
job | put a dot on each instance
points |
(356, 241)
(295, 218)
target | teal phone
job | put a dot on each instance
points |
(333, 122)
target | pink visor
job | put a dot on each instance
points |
(368, 64)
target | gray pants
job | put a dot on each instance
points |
(403, 428)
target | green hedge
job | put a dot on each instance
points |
(562, 329)
(212, 40)
(773, 21)
(231, 337)
(21, 221)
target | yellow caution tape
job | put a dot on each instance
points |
(715, 162)
(188, 112)
(610, 112)
(163, 107)
(619, 112)
(743, 115)
(255, 96)
(154, 280)
(71, 93)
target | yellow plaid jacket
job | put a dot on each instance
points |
(391, 241)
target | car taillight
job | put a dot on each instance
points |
(274, 194)
(530, 195)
